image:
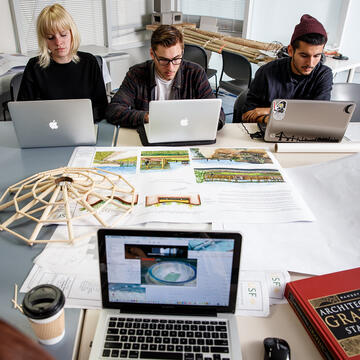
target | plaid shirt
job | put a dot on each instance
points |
(131, 102)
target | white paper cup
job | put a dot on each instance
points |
(44, 307)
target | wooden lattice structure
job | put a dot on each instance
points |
(42, 197)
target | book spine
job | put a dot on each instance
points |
(309, 327)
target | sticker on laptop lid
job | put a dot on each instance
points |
(279, 109)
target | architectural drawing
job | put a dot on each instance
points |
(164, 159)
(237, 175)
(193, 199)
(219, 155)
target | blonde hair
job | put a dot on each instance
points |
(52, 19)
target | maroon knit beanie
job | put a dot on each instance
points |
(308, 25)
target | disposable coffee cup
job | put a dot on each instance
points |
(44, 307)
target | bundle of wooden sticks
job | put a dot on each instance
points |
(216, 42)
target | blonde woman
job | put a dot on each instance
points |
(60, 71)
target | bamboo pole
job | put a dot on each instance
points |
(217, 43)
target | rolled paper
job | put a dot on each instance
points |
(352, 147)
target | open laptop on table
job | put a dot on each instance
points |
(307, 121)
(47, 123)
(167, 295)
(181, 122)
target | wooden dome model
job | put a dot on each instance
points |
(50, 197)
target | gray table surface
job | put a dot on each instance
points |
(16, 258)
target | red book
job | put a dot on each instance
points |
(329, 308)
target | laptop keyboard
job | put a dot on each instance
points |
(145, 338)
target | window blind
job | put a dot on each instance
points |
(128, 19)
(88, 16)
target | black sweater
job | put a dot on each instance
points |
(82, 80)
(275, 80)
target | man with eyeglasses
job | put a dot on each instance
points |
(167, 76)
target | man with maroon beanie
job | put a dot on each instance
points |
(300, 76)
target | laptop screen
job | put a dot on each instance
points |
(177, 269)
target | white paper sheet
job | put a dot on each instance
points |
(352, 132)
(331, 243)
(257, 290)
(206, 184)
(75, 270)
(318, 147)
(80, 290)
(12, 61)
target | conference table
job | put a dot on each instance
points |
(338, 66)
(17, 258)
(282, 321)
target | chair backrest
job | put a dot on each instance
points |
(348, 92)
(195, 54)
(100, 61)
(238, 106)
(15, 85)
(236, 66)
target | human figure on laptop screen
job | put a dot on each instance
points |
(167, 76)
(61, 71)
(299, 76)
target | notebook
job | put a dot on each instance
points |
(181, 122)
(307, 121)
(167, 295)
(47, 123)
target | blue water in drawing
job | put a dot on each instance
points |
(119, 169)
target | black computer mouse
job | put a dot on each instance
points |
(276, 349)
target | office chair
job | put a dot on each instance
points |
(100, 61)
(238, 105)
(238, 68)
(198, 55)
(14, 90)
(348, 92)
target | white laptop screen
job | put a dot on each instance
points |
(183, 269)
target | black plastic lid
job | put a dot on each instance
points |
(43, 301)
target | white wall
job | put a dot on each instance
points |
(7, 37)
(350, 45)
(275, 20)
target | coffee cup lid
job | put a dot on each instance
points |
(43, 301)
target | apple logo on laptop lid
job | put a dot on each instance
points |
(53, 125)
(184, 122)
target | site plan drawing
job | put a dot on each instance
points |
(200, 185)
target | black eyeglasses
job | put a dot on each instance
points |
(166, 62)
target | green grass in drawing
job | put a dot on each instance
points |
(165, 153)
(100, 156)
(103, 158)
(163, 160)
(237, 175)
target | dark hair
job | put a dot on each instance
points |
(312, 39)
(167, 36)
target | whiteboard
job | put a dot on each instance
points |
(275, 20)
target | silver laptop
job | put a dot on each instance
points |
(47, 123)
(308, 120)
(172, 121)
(167, 295)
